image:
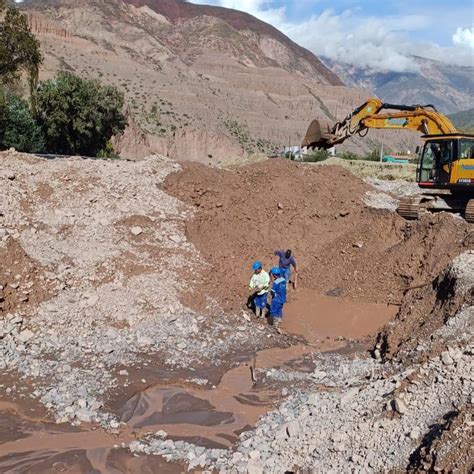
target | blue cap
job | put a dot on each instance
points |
(276, 271)
(257, 265)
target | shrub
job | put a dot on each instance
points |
(349, 155)
(18, 128)
(79, 116)
(316, 156)
(374, 155)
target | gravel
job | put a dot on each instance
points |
(112, 248)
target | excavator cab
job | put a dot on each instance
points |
(447, 162)
(435, 163)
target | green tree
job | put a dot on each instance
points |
(19, 49)
(79, 116)
(18, 128)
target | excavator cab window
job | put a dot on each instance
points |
(467, 149)
(435, 165)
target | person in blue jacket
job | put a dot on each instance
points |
(278, 294)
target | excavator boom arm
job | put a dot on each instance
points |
(424, 119)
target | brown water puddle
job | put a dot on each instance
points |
(314, 316)
(32, 445)
(213, 418)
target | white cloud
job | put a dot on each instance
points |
(464, 37)
(381, 43)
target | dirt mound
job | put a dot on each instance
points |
(422, 326)
(340, 243)
(22, 280)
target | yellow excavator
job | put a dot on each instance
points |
(446, 161)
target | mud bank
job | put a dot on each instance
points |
(342, 244)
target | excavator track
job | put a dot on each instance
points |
(409, 207)
(469, 214)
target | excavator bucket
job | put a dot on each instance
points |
(318, 135)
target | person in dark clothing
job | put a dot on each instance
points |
(287, 260)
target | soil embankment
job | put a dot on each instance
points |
(341, 244)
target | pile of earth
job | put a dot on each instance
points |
(431, 316)
(343, 246)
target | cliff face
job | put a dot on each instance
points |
(201, 82)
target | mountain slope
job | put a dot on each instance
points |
(449, 88)
(202, 83)
(464, 120)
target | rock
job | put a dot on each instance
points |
(181, 345)
(83, 416)
(247, 443)
(81, 403)
(11, 176)
(280, 205)
(344, 213)
(25, 336)
(136, 230)
(456, 354)
(415, 433)
(446, 358)
(145, 341)
(400, 406)
(254, 467)
(358, 245)
(255, 454)
(92, 300)
(313, 399)
(161, 434)
(293, 428)
(175, 238)
(237, 457)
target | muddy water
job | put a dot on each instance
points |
(33, 445)
(209, 417)
(315, 316)
(213, 418)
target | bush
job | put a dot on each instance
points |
(79, 116)
(349, 155)
(18, 128)
(108, 152)
(316, 156)
(374, 155)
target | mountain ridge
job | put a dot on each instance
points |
(449, 88)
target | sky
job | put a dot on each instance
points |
(381, 34)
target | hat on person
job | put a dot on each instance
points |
(276, 271)
(257, 265)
